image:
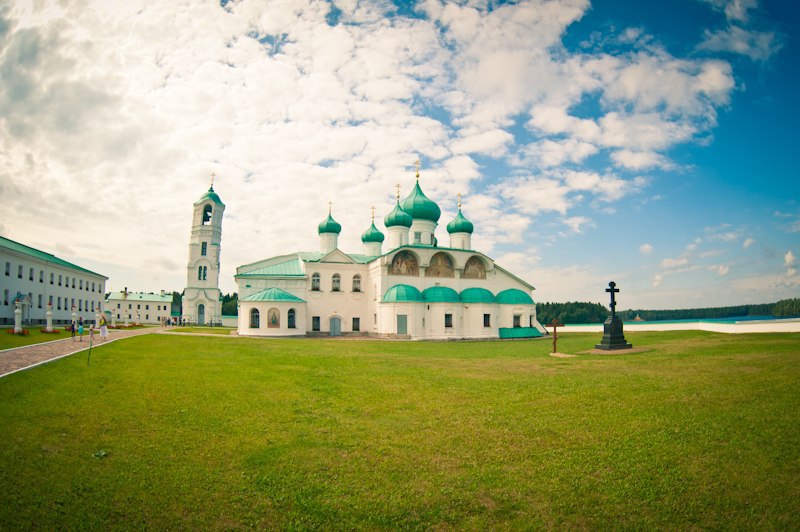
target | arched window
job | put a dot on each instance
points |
(255, 318)
(315, 282)
(441, 265)
(356, 283)
(199, 273)
(336, 282)
(290, 319)
(404, 263)
(273, 318)
(205, 271)
(207, 215)
(474, 269)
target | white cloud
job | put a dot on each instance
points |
(578, 224)
(721, 269)
(748, 242)
(674, 263)
(789, 259)
(657, 280)
(639, 160)
(757, 45)
(734, 9)
(645, 249)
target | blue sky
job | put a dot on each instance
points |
(649, 143)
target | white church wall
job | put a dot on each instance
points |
(265, 328)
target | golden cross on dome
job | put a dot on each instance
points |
(417, 165)
(330, 207)
(459, 200)
(373, 213)
(213, 175)
(397, 186)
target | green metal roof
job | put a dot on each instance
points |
(519, 332)
(329, 225)
(314, 256)
(41, 255)
(402, 292)
(477, 295)
(441, 294)
(289, 268)
(398, 217)
(372, 234)
(513, 296)
(460, 224)
(210, 195)
(419, 206)
(137, 296)
(273, 294)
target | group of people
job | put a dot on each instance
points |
(77, 328)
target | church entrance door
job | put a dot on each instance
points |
(336, 327)
(201, 314)
(402, 324)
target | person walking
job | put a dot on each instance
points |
(80, 330)
(72, 329)
(103, 327)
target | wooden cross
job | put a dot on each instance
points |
(555, 325)
(417, 165)
(612, 289)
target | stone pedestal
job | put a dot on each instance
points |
(17, 318)
(613, 337)
(49, 327)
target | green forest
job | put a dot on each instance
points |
(581, 312)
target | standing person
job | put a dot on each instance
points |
(103, 327)
(80, 330)
(72, 328)
(91, 334)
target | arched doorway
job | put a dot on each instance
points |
(336, 326)
(201, 314)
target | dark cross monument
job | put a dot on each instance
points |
(555, 325)
(613, 338)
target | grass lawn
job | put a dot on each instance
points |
(203, 330)
(181, 432)
(8, 341)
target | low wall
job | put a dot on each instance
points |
(766, 326)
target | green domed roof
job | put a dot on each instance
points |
(329, 225)
(372, 234)
(420, 207)
(441, 294)
(477, 295)
(398, 217)
(460, 224)
(210, 195)
(273, 294)
(402, 292)
(512, 296)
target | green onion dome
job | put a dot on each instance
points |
(210, 195)
(460, 224)
(419, 206)
(329, 225)
(372, 234)
(398, 217)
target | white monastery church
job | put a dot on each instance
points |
(414, 289)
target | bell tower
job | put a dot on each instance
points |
(202, 299)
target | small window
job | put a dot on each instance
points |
(52, 276)
(374, 319)
(129, 306)
(59, 302)
(80, 284)
(315, 282)
(118, 305)
(73, 282)
(80, 306)
(203, 248)
(417, 237)
(19, 271)
(147, 307)
(273, 318)
(255, 318)
(448, 320)
(92, 287)
(199, 273)
(40, 300)
(356, 324)
(291, 319)
(206, 215)
(530, 320)
(205, 272)
(30, 275)
(50, 301)
(517, 320)
(8, 269)
(356, 283)
(59, 279)
(336, 282)
(138, 307)
(5, 296)
(73, 303)
(315, 323)
(93, 306)
(41, 276)
(487, 320)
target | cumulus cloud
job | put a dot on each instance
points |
(645, 249)
(657, 280)
(578, 224)
(738, 10)
(748, 242)
(674, 263)
(757, 45)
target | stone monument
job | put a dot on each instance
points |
(613, 338)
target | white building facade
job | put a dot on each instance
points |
(202, 299)
(35, 279)
(416, 290)
(138, 307)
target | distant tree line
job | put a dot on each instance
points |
(581, 312)
(230, 304)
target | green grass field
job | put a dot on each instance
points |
(35, 336)
(181, 432)
(203, 330)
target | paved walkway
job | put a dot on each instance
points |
(20, 358)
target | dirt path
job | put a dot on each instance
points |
(20, 358)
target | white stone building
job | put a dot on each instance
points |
(202, 299)
(139, 307)
(36, 279)
(417, 289)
